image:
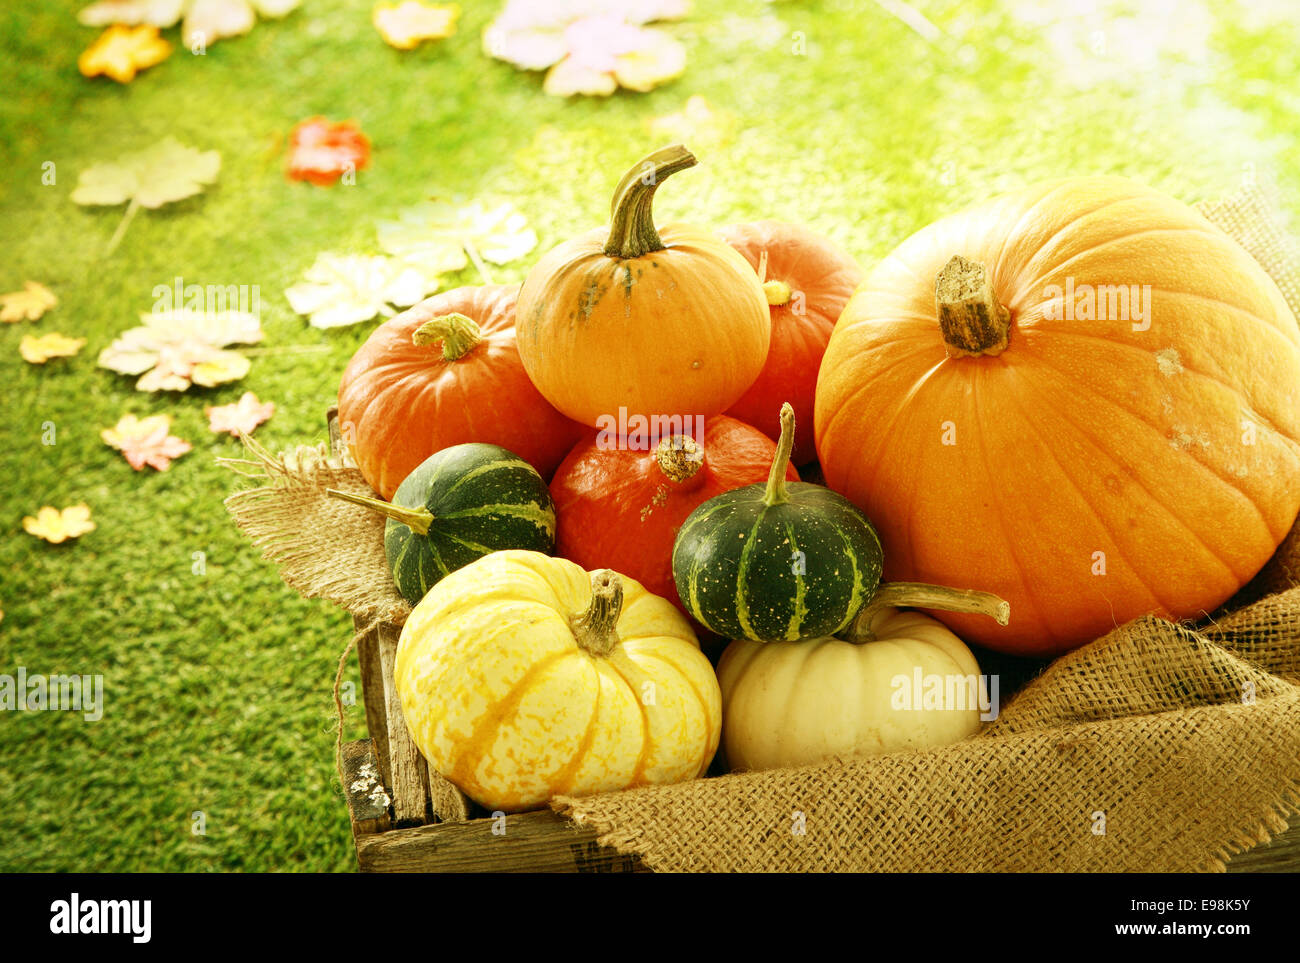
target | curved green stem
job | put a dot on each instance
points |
(776, 491)
(631, 223)
(417, 520)
(457, 333)
(892, 595)
(594, 629)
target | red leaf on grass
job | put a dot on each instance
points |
(321, 151)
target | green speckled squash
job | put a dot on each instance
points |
(777, 562)
(460, 504)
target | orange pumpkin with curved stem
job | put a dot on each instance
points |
(662, 323)
(1094, 415)
(443, 373)
(619, 508)
(807, 281)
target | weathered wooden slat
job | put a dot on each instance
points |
(409, 785)
(536, 842)
(372, 693)
(1281, 855)
(367, 798)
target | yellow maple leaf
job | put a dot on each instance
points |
(47, 346)
(29, 303)
(58, 526)
(121, 51)
(406, 24)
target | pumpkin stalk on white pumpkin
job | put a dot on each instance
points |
(893, 595)
(631, 226)
(416, 519)
(458, 334)
(594, 629)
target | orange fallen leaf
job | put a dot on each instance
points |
(120, 52)
(58, 526)
(47, 346)
(241, 417)
(321, 151)
(29, 303)
(146, 441)
(407, 24)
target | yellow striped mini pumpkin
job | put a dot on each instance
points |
(524, 677)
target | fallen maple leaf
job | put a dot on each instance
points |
(241, 417)
(160, 13)
(321, 151)
(174, 349)
(146, 441)
(438, 236)
(207, 21)
(159, 174)
(29, 303)
(58, 526)
(407, 24)
(591, 46)
(47, 346)
(696, 123)
(341, 289)
(121, 52)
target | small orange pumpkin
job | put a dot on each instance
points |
(807, 281)
(1082, 396)
(660, 323)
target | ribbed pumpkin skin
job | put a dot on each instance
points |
(1083, 436)
(501, 700)
(399, 403)
(735, 564)
(618, 509)
(799, 703)
(680, 331)
(483, 499)
(821, 277)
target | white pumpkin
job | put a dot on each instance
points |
(799, 703)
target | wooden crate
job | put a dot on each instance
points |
(407, 818)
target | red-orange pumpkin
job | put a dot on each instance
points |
(443, 373)
(661, 323)
(1095, 415)
(808, 280)
(619, 508)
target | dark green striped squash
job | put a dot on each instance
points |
(777, 562)
(458, 505)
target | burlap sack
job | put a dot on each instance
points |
(1157, 748)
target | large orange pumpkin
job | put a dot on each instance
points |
(807, 281)
(1082, 397)
(443, 373)
(662, 323)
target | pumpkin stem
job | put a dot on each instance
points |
(892, 595)
(595, 629)
(971, 318)
(457, 333)
(776, 493)
(778, 292)
(417, 520)
(631, 223)
(679, 457)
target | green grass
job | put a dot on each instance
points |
(218, 685)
